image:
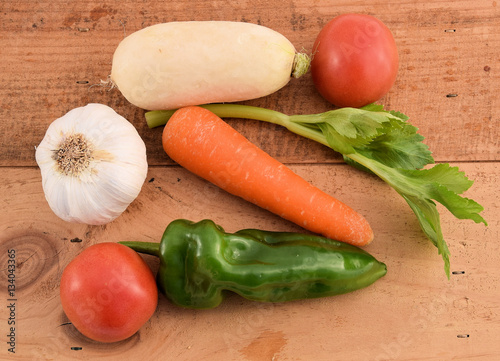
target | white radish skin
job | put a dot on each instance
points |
(176, 64)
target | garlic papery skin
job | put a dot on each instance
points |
(93, 164)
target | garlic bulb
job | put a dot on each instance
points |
(93, 164)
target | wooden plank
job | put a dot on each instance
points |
(53, 52)
(412, 313)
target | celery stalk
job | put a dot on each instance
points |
(380, 142)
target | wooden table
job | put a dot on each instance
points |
(52, 52)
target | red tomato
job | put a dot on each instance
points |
(108, 292)
(355, 60)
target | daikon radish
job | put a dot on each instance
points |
(176, 64)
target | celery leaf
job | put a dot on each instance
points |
(385, 144)
(421, 187)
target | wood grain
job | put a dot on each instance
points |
(413, 311)
(54, 55)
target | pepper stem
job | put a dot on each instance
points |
(151, 248)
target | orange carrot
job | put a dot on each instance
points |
(203, 143)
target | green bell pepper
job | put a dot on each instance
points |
(199, 261)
